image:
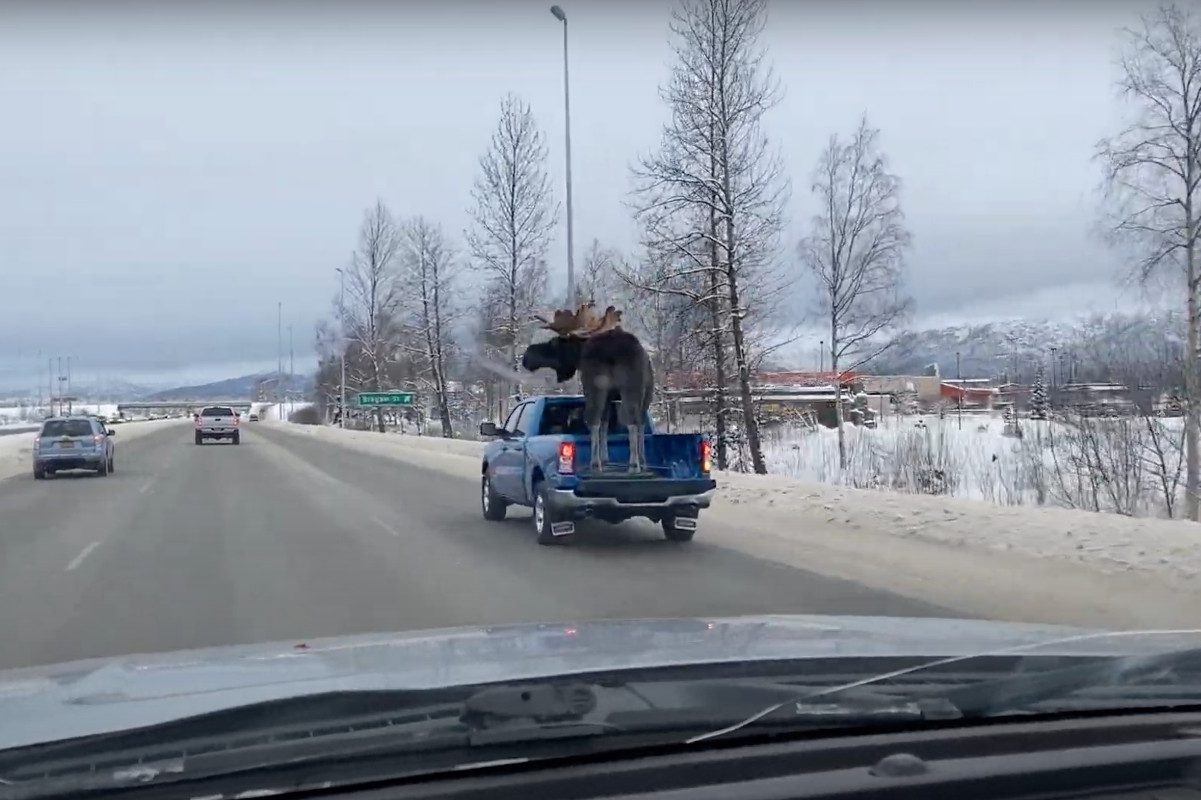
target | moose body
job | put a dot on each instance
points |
(612, 365)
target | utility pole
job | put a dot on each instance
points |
(959, 394)
(279, 352)
(821, 355)
(342, 346)
(70, 402)
(291, 372)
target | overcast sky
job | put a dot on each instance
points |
(171, 171)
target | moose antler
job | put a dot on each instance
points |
(583, 322)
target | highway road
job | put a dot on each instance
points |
(287, 538)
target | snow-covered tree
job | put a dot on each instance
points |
(429, 272)
(855, 251)
(1039, 405)
(1153, 176)
(710, 200)
(513, 219)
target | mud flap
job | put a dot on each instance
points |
(565, 528)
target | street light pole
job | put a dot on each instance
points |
(342, 347)
(559, 15)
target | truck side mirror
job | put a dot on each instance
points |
(489, 429)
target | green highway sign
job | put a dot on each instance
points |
(374, 399)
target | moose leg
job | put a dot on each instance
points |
(597, 442)
(635, 448)
(604, 440)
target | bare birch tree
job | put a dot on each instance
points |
(1153, 174)
(713, 193)
(513, 219)
(373, 296)
(855, 251)
(429, 276)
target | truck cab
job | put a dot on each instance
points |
(540, 458)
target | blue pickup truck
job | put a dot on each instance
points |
(541, 456)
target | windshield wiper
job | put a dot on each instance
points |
(461, 729)
(996, 697)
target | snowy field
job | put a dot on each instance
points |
(1127, 465)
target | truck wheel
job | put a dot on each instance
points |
(102, 470)
(199, 439)
(544, 520)
(237, 438)
(39, 473)
(680, 527)
(493, 504)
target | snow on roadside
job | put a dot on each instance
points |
(16, 451)
(1107, 543)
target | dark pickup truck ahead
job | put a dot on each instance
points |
(541, 456)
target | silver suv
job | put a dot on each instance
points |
(73, 443)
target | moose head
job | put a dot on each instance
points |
(572, 329)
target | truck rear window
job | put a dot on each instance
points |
(67, 427)
(217, 411)
(568, 418)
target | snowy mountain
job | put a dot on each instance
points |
(1013, 349)
(238, 388)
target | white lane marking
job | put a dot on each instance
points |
(146, 486)
(385, 526)
(84, 553)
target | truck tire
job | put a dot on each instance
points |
(544, 520)
(237, 438)
(39, 473)
(199, 439)
(674, 532)
(492, 504)
(102, 470)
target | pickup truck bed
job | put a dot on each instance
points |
(548, 469)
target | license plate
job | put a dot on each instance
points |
(686, 523)
(66, 444)
(562, 528)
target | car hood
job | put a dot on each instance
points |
(40, 704)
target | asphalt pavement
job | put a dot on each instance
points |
(287, 538)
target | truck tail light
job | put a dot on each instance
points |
(706, 456)
(37, 442)
(236, 418)
(98, 439)
(566, 458)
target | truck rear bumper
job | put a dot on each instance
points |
(565, 503)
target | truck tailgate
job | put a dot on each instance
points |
(668, 455)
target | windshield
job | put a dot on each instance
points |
(430, 348)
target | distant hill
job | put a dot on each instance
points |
(1015, 348)
(240, 388)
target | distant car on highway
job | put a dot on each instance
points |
(540, 459)
(254, 417)
(66, 443)
(217, 422)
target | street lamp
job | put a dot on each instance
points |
(342, 330)
(558, 14)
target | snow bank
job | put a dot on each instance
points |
(16, 451)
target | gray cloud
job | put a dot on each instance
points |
(168, 172)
